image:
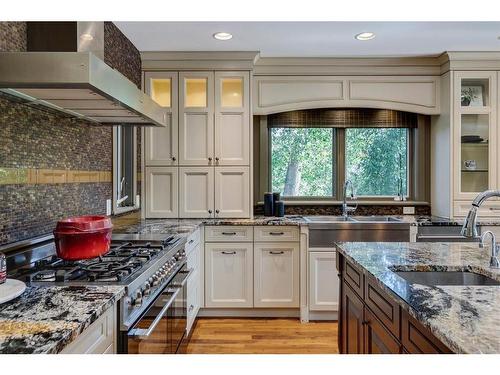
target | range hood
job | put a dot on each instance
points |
(78, 84)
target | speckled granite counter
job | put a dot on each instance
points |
(441, 221)
(46, 319)
(465, 318)
(187, 226)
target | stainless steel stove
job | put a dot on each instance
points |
(151, 267)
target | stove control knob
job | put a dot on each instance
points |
(137, 301)
(156, 280)
(147, 289)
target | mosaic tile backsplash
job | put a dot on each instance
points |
(35, 140)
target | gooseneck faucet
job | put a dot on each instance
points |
(345, 208)
(469, 229)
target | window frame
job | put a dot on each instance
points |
(418, 168)
(116, 172)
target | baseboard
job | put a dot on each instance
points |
(323, 315)
(249, 313)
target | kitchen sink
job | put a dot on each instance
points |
(376, 219)
(446, 278)
(327, 219)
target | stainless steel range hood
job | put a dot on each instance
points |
(78, 84)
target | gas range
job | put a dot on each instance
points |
(144, 264)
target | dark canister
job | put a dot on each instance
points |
(279, 208)
(276, 196)
(268, 204)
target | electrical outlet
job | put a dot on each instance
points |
(408, 210)
(108, 207)
(138, 201)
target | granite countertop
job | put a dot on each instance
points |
(185, 227)
(44, 319)
(441, 221)
(465, 318)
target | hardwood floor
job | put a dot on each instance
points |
(262, 336)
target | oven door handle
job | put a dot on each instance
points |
(181, 284)
(143, 333)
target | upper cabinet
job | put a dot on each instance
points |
(161, 145)
(196, 118)
(232, 118)
(475, 133)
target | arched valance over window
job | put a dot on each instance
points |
(343, 118)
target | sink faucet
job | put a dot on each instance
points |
(469, 229)
(345, 208)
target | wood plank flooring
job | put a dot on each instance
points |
(262, 336)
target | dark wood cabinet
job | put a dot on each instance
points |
(352, 322)
(378, 339)
(371, 320)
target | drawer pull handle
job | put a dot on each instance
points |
(276, 233)
(494, 208)
(229, 252)
(191, 308)
(190, 242)
(277, 252)
(229, 233)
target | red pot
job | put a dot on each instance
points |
(83, 237)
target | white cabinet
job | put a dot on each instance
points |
(196, 197)
(232, 118)
(98, 338)
(161, 144)
(229, 274)
(162, 192)
(276, 274)
(193, 253)
(323, 281)
(196, 118)
(232, 192)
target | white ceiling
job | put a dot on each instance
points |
(318, 39)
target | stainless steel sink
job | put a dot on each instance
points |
(376, 219)
(327, 219)
(446, 278)
(340, 219)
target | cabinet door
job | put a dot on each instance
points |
(232, 192)
(232, 118)
(196, 192)
(475, 133)
(162, 191)
(378, 339)
(352, 321)
(196, 118)
(228, 275)
(276, 274)
(324, 281)
(161, 144)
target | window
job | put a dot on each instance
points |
(376, 161)
(302, 161)
(124, 169)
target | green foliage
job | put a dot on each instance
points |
(312, 150)
(376, 160)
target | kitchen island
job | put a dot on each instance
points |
(382, 312)
(47, 319)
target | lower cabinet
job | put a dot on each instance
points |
(98, 338)
(372, 322)
(276, 274)
(323, 281)
(228, 274)
(193, 253)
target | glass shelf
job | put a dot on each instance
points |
(474, 92)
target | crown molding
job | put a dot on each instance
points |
(194, 60)
(459, 60)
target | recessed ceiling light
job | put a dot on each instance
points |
(86, 36)
(365, 36)
(223, 36)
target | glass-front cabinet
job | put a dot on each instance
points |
(475, 134)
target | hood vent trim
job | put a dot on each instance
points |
(77, 84)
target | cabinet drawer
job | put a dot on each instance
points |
(193, 258)
(97, 338)
(193, 240)
(384, 308)
(417, 339)
(228, 233)
(193, 300)
(354, 277)
(378, 340)
(270, 233)
(488, 209)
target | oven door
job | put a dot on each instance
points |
(179, 311)
(152, 332)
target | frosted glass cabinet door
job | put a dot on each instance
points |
(232, 118)
(161, 144)
(196, 118)
(475, 133)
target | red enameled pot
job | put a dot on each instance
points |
(83, 237)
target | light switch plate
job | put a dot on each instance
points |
(408, 210)
(108, 207)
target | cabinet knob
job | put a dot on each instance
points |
(216, 211)
(210, 212)
(209, 158)
(173, 158)
(216, 159)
